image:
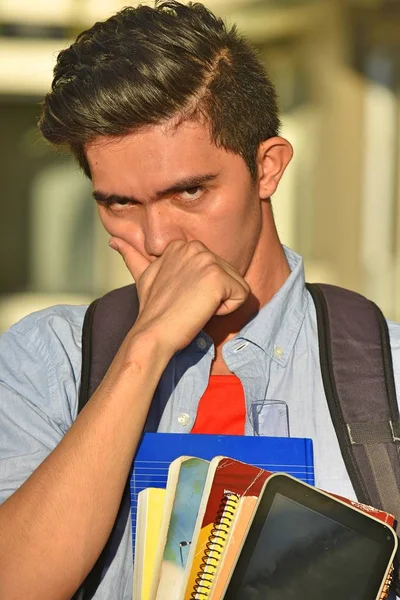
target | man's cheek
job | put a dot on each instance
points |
(119, 228)
(107, 221)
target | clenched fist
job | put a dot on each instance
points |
(181, 290)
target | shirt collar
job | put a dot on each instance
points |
(276, 326)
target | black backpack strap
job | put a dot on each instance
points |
(107, 322)
(357, 372)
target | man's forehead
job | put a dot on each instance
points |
(173, 130)
(153, 159)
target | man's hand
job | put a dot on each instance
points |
(181, 290)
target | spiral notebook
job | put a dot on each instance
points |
(216, 546)
(230, 481)
(242, 518)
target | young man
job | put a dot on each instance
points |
(173, 118)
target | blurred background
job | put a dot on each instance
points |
(336, 65)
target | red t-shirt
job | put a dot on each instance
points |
(222, 408)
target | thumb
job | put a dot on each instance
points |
(135, 261)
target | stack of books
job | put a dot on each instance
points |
(200, 509)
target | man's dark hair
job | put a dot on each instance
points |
(145, 65)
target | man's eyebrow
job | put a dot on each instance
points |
(108, 199)
(180, 186)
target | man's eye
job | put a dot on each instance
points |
(121, 205)
(192, 194)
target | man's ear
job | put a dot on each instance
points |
(273, 157)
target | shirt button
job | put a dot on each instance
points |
(278, 351)
(201, 343)
(183, 419)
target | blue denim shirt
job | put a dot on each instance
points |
(275, 356)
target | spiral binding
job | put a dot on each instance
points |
(386, 588)
(215, 545)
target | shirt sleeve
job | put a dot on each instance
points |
(39, 386)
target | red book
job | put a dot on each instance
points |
(374, 512)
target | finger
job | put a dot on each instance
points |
(237, 289)
(233, 273)
(136, 262)
(227, 267)
(235, 295)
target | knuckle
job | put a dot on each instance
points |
(213, 270)
(203, 260)
(196, 245)
(175, 245)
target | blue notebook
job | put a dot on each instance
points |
(158, 450)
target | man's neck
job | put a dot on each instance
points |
(266, 274)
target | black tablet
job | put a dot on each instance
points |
(305, 544)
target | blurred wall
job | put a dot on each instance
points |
(336, 65)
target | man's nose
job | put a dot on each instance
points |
(159, 230)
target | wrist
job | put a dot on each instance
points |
(146, 343)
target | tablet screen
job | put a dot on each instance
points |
(301, 553)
